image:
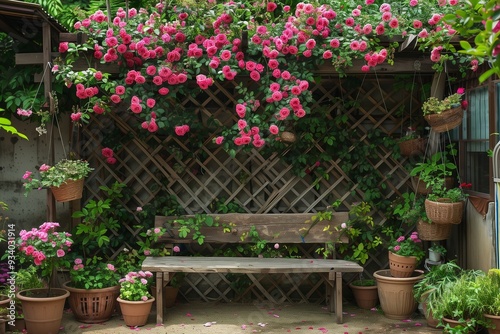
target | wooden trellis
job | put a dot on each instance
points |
(154, 165)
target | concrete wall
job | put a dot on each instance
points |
(18, 155)
(480, 238)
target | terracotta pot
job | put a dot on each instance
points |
(170, 295)
(396, 294)
(455, 323)
(402, 266)
(43, 314)
(366, 296)
(18, 326)
(135, 313)
(431, 321)
(92, 305)
(495, 320)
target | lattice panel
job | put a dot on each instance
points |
(155, 165)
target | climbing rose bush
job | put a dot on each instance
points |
(270, 51)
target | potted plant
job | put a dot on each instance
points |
(135, 300)
(434, 169)
(458, 305)
(404, 255)
(436, 251)
(489, 295)
(65, 179)
(46, 249)
(365, 293)
(446, 114)
(445, 206)
(432, 284)
(411, 143)
(94, 288)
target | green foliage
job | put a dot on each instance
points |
(6, 125)
(436, 168)
(193, 225)
(135, 286)
(364, 236)
(93, 274)
(364, 282)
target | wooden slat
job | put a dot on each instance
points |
(281, 228)
(244, 265)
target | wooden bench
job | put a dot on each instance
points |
(274, 228)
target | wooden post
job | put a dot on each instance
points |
(437, 90)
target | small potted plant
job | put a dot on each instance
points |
(489, 295)
(135, 300)
(65, 179)
(365, 293)
(405, 254)
(436, 251)
(411, 144)
(446, 114)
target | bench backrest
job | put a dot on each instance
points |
(280, 228)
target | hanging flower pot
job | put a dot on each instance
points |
(430, 231)
(443, 211)
(68, 191)
(447, 120)
(411, 147)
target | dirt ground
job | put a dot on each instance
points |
(223, 318)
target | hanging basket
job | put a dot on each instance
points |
(68, 191)
(288, 137)
(412, 147)
(432, 231)
(447, 120)
(443, 211)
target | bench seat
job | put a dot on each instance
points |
(332, 269)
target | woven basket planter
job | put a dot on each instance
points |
(92, 305)
(68, 191)
(445, 121)
(443, 211)
(432, 231)
(412, 147)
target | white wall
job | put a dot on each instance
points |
(18, 155)
(480, 238)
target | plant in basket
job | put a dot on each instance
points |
(135, 300)
(46, 249)
(59, 175)
(404, 255)
(446, 114)
(411, 143)
(445, 206)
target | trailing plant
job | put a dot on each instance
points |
(193, 225)
(436, 168)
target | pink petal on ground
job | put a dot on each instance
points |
(189, 315)
(406, 320)
(276, 316)
(418, 324)
(243, 327)
(373, 309)
(85, 326)
(159, 325)
(310, 327)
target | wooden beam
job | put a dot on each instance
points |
(71, 37)
(33, 58)
(406, 65)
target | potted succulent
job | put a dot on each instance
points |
(365, 293)
(65, 179)
(446, 114)
(135, 300)
(405, 254)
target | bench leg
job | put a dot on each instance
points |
(335, 292)
(159, 297)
